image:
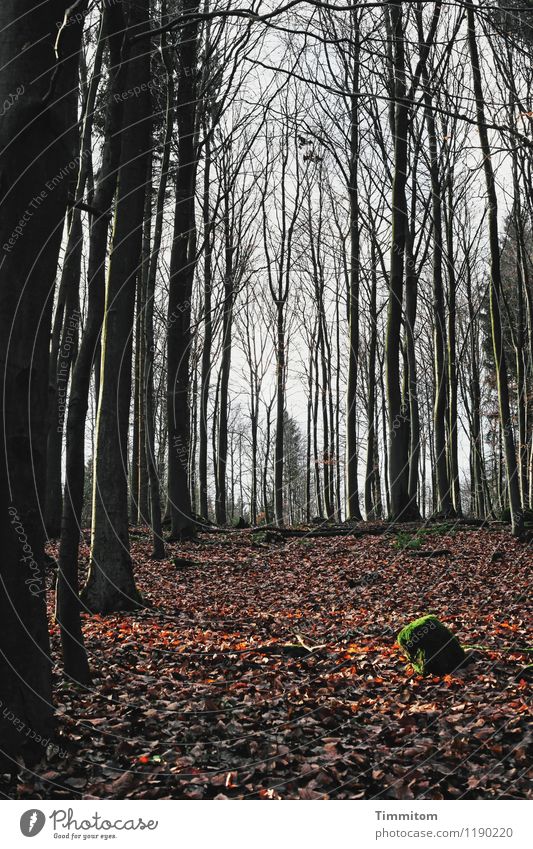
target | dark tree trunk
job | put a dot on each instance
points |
(401, 505)
(309, 438)
(62, 355)
(266, 463)
(67, 600)
(444, 500)
(280, 410)
(453, 424)
(208, 336)
(180, 285)
(353, 510)
(475, 395)
(65, 333)
(411, 303)
(139, 510)
(110, 583)
(158, 545)
(316, 454)
(506, 425)
(36, 160)
(227, 323)
(370, 477)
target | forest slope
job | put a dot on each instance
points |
(206, 692)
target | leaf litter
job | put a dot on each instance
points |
(273, 672)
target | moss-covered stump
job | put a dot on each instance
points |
(241, 524)
(431, 647)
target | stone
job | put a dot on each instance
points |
(431, 647)
(241, 524)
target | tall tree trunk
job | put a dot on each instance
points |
(139, 510)
(513, 488)
(110, 583)
(370, 505)
(266, 462)
(444, 501)
(328, 500)
(401, 506)
(254, 427)
(384, 431)
(227, 323)
(62, 355)
(158, 545)
(309, 438)
(280, 411)
(453, 423)
(475, 393)
(65, 333)
(520, 341)
(181, 279)
(411, 303)
(339, 493)
(353, 510)
(208, 334)
(67, 601)
(316, 454)
(135, 442)
(36, 158)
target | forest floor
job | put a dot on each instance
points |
(207, 692)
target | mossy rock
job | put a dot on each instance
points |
(431, 647)
(505, 515)
(268, 537)
(241, 524)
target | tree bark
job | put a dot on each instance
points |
(208, 336)
(444, 500)
(36, 160)
(401, 505)
(353, 510)
(65, 334)
(280, 410)
(370, 481)
(227, 323)
(158, 545)
(110, 583)
(513, 488)
(180, 285)
(67, 599)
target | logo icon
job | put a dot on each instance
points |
(32, 822)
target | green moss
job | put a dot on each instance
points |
(268, 537)
(430, 646)
(406, 540)
(505, 515)
(258, 538)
